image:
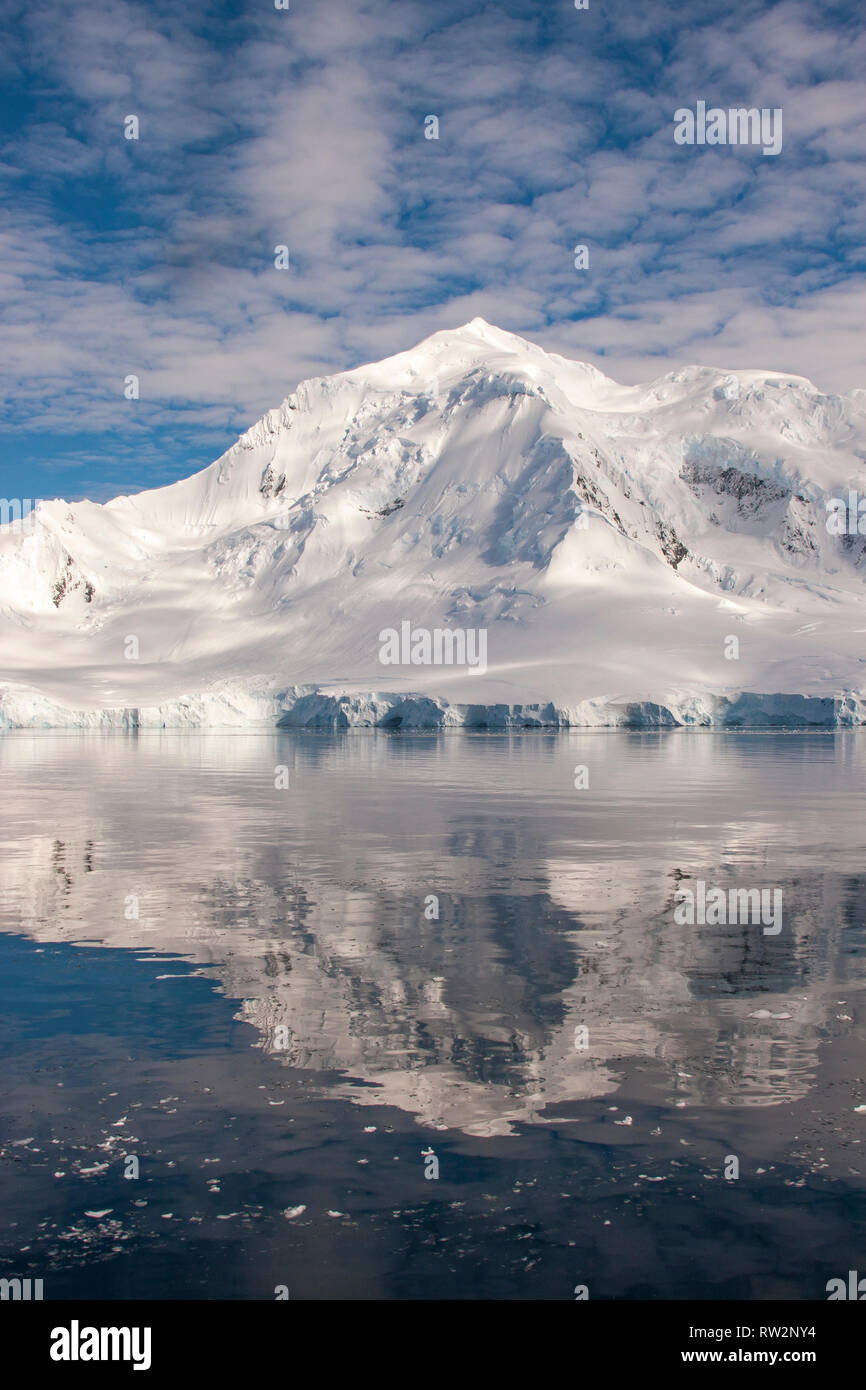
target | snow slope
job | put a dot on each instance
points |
(610, 540)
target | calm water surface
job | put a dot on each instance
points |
(247, 989)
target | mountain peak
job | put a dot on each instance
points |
(449, 354)
(475, 334)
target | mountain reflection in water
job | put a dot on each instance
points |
(445, 925)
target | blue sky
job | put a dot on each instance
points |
(260, 127)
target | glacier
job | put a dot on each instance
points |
(651, 556)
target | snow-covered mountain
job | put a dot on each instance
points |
(610, 541)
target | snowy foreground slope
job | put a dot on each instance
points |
(609, 540)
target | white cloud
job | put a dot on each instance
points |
(156, 256)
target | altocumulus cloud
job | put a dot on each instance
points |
(305, 128)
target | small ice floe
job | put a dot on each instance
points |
(369, 1129)
(627, 1121)
(88, 1172)
(336, 1213)
(860, 1109)
(276, 1102)
(766, 1013)
(98, 1215)
(228, 1216)
(291, 1213)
